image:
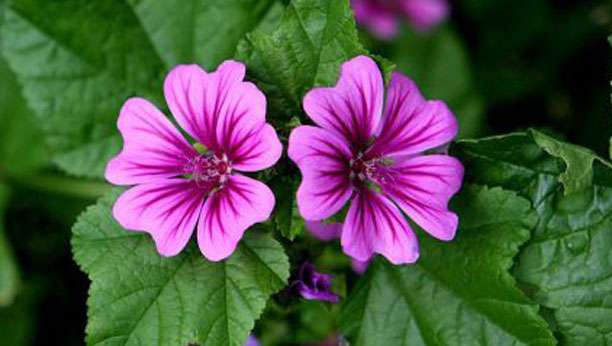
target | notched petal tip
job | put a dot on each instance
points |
(353, 107)
(232, 69)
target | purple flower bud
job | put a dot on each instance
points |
(252, 341)
(312, 285)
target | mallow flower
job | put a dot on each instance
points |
(377, 156)
(381, 17)
(312, 285)
(179, 187)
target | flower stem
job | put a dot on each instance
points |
(55, 183)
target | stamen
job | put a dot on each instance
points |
(209, 171)
(370, 172)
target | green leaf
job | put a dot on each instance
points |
(9, 275)
(458, 293)
(439, 64)
(566, 265)
(205, 32)
(578, 160)
(78, 61)
(138, 297)
(286, 217)
(313, 39)
(21, 145)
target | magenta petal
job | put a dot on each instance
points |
(241, 109)
(360, 267)
(259, 151)
(323, 159)
(242, 132)
(153, 149)
(186, 89)
(422, 187)
(374, 225)
(411, 124)
(198, 100)
(353, 107)
(425, 14)
(167, 209)
(229, 212)
(323, 230)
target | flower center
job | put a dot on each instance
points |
(209, 171)
(370, 171)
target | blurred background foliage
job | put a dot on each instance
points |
(502, 65)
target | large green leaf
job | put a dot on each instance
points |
(139, 298)
(203, 31)
(458, 293)
(78, 61)
(566, 265)
(21, 144)
(313, 39)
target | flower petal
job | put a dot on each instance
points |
(353, 107)
(153, 149)
(412, 125)
(425, 14)
(242, 133)
(259, 151)
(323, 159)
(168, 210)
(374, 225)
(323, 230)
(228, 212)
(187, 89)
(360, 267)
(224, 113)
(422, 186)
(312, 294)
(198, 99)
(376, 17)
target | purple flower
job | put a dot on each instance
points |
(375, 157)
(252, 341)
(314, 286)
(381, 16)
(179, 185)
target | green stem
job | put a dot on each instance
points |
(54, 183)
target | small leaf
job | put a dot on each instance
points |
(458, 293)
(138, 297)
(313, 39)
